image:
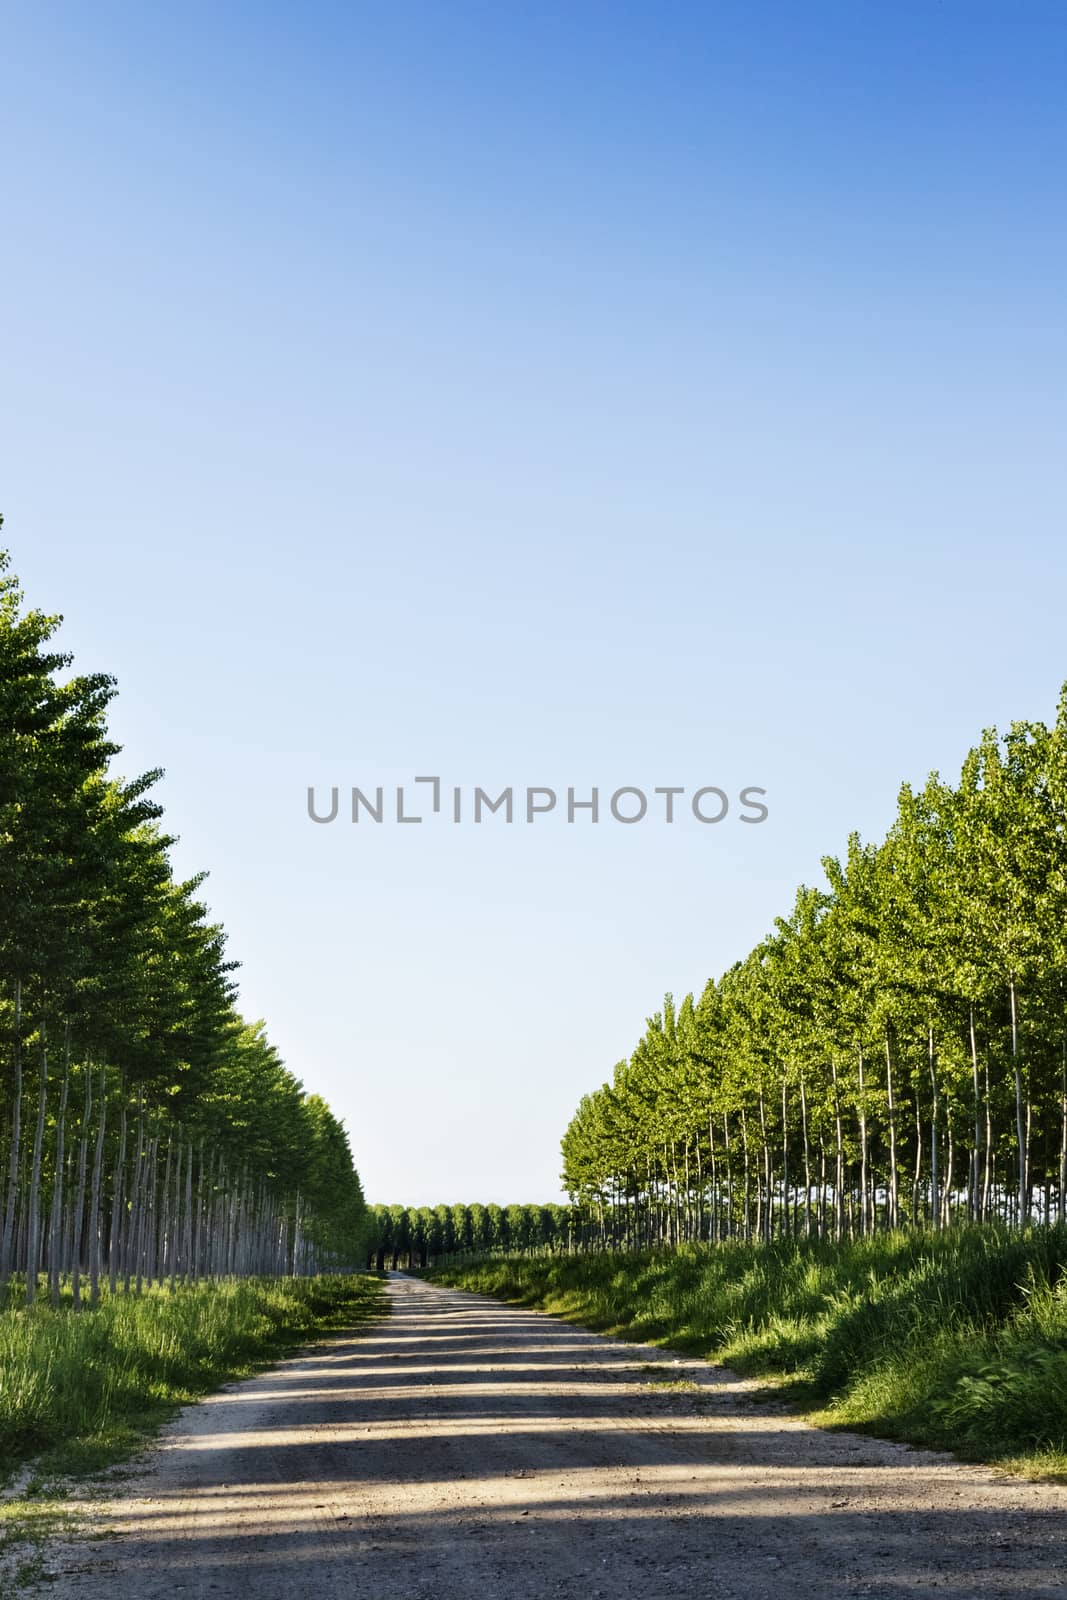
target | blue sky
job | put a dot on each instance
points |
(533, 395)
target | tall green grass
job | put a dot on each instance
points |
(78, 1389)
(957, 1340)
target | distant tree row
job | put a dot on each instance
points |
(895, 1052)
(148, 1133)
(421, 1236)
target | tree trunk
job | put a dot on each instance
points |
(1062, 1198)
(729, 1178)
(975, 1206)
(839, 1175)
(33, 1236)
(763, 1209)
(744, 1147)
(1020, 1128)
(917, 1179)
(7, 1245)
(129, 1242)
(785, 1160)
(935, 1192)
(95, 1234)
(55, 1232)
(118, 1195)
(891, 1110)
(863, 1147)
(807, 1159)
(79, 1203)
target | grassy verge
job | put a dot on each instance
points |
(955, 1340)
(82, 1391)
(79, 1390)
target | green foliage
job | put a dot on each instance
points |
(417, 1238)
(145, 1130)
(894, 1051)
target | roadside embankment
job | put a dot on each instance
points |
(80, 1389)
(956, 1340)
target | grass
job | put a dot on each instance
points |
(26, 1526)
(81, 1391)
(955, 1340)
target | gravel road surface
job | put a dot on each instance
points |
(464, 1450)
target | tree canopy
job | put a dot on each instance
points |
(894, 1050)
(148, 1131)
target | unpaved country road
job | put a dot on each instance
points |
(465, 1450)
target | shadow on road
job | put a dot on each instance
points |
(466, 1450)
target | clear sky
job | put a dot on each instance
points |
(532, 394)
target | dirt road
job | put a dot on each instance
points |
(467, 1451)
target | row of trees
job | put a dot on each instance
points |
(894, 1052)
(420, 1236)
(148, 1133)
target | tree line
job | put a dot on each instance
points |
(894, 1052)
(147, 1133)
(420, 1236)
